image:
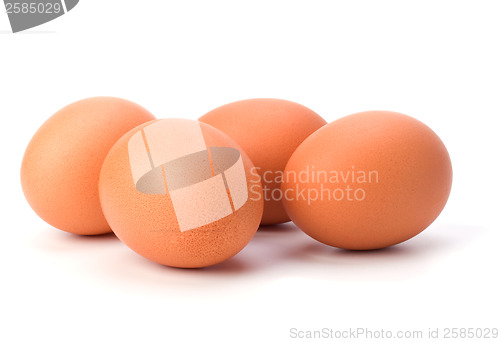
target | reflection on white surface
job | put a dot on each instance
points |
(282, 279)
(274, 252)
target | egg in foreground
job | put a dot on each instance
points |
(368, 181)
(268, 130)
(60, 168)
(180, 193)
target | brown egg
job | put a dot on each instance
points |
(268, 130)
(181, 193)
(60, 169)
(367, 181)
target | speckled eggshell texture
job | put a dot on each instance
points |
(60, 168)
(181, 193)
(375, 179)
(268, 130)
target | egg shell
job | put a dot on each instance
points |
(60, 168)
(268, 130)
(174, 219)
(408, 188)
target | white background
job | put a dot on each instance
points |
(435, 60)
